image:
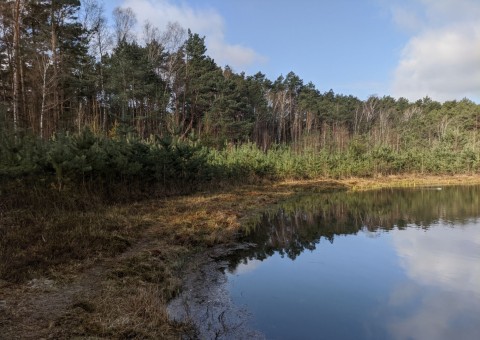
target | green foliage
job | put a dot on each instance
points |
(96, 162)
(131, 81)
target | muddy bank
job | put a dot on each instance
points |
(205, 301)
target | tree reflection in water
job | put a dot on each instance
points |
(301, 223)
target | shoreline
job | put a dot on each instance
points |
(76, 298)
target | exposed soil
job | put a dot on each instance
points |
(205, 301)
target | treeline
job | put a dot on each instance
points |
(67, 78)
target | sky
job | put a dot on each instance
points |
(402, 48)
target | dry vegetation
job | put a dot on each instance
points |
(83, 268)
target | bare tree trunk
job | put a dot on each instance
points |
(103, 111)
(184, 104)
(16, 64)
(95, 21)
(44, 95)
(80, 116)
(357, 120)
(24, 99)
(56, 100)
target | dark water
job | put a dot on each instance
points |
(390, 264)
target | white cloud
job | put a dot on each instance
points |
(442, 58)
(207, 22)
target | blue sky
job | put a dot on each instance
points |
(409, 48)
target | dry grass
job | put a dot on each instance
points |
(126, 308)
(410, 181)
(113, 268)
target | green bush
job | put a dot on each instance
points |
(99, 163)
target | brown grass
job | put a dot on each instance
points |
(109, 270)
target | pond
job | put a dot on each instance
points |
(387, 264)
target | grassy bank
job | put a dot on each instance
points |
(80, 266)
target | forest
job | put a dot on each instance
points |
(85, 102)
(103, 129)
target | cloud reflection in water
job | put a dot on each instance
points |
(444, 266)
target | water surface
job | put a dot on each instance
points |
(388, 264)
